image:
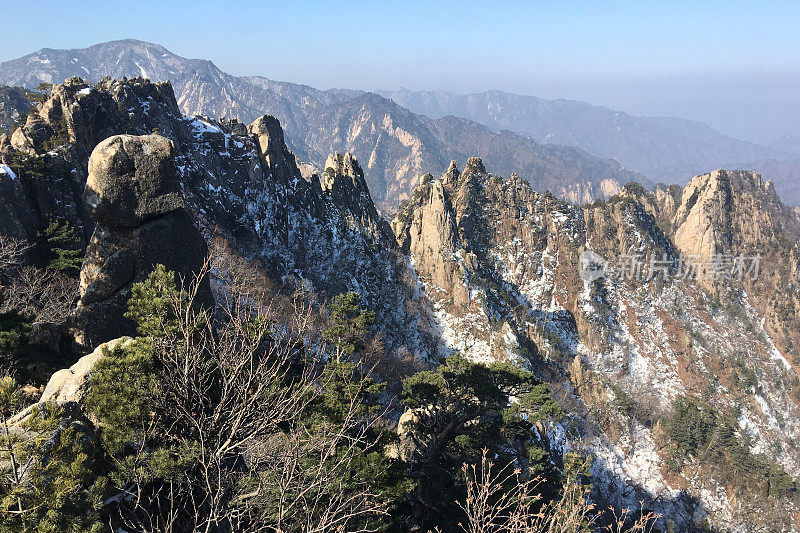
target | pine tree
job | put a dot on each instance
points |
(61, 247)
(463, 408)
(349, 324)
(27, 166)
(40, 94)
(60, 489)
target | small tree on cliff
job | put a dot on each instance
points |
(461, 409)
(60, 247)
(349, 324)
(52, 484)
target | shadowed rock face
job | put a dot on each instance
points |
(132, 193)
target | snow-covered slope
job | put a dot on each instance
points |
(502, 265)
(489, 267)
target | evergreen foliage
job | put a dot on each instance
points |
(59, 489)
(60, 247)
(130, 398)
(31, 362)
(41, 93)
(462, 409)
(349, 324)
(698, 430)
(28, 166)
(119, 398)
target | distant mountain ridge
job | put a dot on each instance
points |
(396, 145)
(662, 148)
(418, 134)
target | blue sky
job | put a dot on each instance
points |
(628, 55)
(451, 45)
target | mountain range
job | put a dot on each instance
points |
(678, 374)
(396, 145)
(579, 151)
(664, 148)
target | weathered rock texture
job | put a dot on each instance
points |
(133, 194)
(68, 386)
(499, 263)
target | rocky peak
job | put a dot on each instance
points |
(726, 212)
(451, 174)
(344, 181)
(68, 115)
(343, 166)
(744, 237)
(279, 159)
(474, 165)
(460, 230)
(133, 195)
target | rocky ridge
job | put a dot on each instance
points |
(491, 268)
(239, 182)
(662, 148)
(394, 145)
(501, 264)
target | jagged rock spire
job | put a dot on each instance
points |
(269, 134)
(343, 165)
(280, 160)
(475, 165)
(451, 174)
(344, 180)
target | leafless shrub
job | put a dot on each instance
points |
(12, 252)
(502, 501)
(41, 295)
(235, 390)
(302, 474)
(38, 294)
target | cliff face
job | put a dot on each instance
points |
(730, 212)
(493, 269)
(240, 182)
(502, 266)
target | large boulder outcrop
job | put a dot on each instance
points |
(67, 387)
(133, 194)
(69, 384)
(131, 180)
